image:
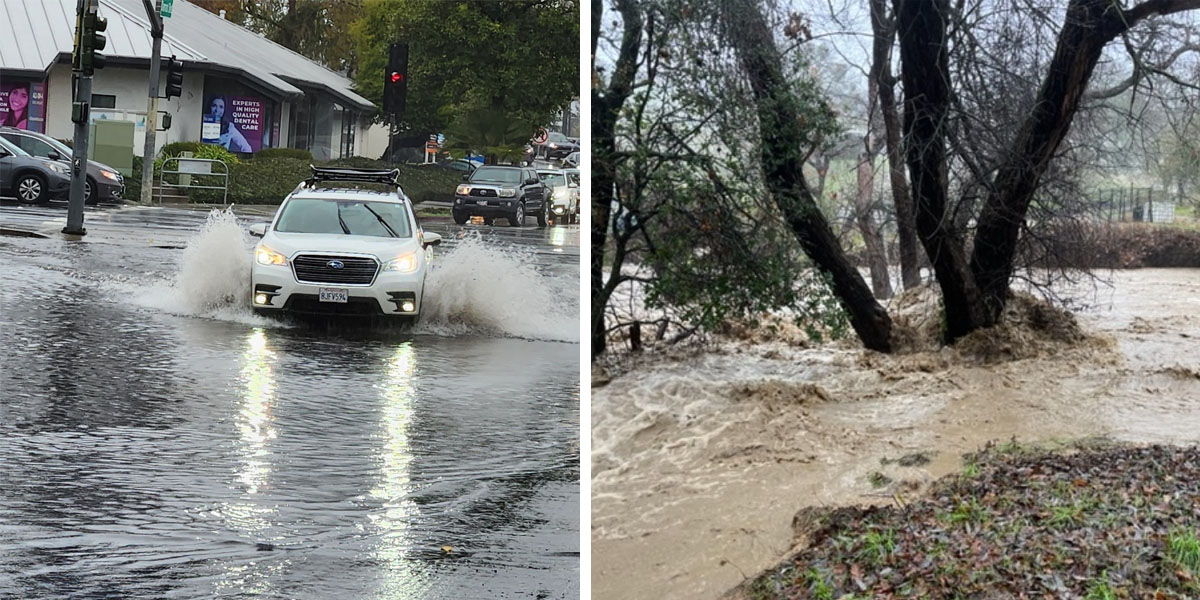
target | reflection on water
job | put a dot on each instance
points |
(247, 515)
(394, 485)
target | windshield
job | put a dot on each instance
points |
(557, 136)
(497, 174)
(13, 148)
(350, 217)
(552, 178)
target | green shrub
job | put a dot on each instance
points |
(213, 152)
(177, 148)
(283, 153)
(270, 180)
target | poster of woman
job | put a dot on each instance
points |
(14, 105)
(234, 123)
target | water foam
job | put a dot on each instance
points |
(477, 287)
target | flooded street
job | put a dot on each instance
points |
(159, 440)
(700, 464)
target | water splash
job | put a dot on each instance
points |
(478, 287)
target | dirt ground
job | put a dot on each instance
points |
(700, 464)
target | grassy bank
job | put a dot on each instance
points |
(1095, 523)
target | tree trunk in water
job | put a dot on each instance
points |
(1089, 26)
(881, 75)
(926, 76)
(783, 141)
(881, 283)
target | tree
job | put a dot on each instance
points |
(489, 133)
(313, 28)
(788, 118)
(607, 101)
(517, 57)
(975, 292)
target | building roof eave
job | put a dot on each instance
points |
(357, 101)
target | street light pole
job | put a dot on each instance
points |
(148, 151)
(79, 114)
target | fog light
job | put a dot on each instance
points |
(408, 306)
(260, 298)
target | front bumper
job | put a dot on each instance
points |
(109, 191)
(493, 207)
(384, 296)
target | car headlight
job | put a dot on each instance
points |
(463, 190)
(110, 175)
(553, 145)
(267, 256)
(405, 263)
(57, 167)
(508, 193)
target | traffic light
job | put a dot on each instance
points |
(93, 41)
(174, 77)
(395, 79)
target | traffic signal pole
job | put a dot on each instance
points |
(148, 150)
(85, 13)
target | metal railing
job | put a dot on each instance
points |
(187, 166)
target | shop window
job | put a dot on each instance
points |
(104, 101)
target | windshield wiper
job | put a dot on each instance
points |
(341, 221)
(391, 232)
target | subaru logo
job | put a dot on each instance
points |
(335, 264)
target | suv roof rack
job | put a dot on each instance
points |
(351, 174)
(382, 176)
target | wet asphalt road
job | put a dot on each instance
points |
(146, 454)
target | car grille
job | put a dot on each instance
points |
(314, 268)
(483, 192)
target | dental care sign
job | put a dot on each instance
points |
(235, 122)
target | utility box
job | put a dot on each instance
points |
(111, 142)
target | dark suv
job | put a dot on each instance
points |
(103, 182)
(29, 178)
(557, 145)
(494, 191)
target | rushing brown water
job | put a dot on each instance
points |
(699, 466)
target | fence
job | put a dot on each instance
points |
(1133, 204)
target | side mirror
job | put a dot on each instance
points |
(431, 239)
(532, 181)
(53, 155)
(467, 177)
(258, 229)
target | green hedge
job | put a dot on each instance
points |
(270, 180)
(177, 148)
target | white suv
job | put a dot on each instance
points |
(342, 251)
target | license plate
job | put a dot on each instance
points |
(481, 202)
(334, 295)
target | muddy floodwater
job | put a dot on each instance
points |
(158, 440)
(700, 465)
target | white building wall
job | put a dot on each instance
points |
(372, 140)
(130, 86)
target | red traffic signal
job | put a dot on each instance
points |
(395, 81)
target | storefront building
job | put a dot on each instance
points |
(240, 90)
